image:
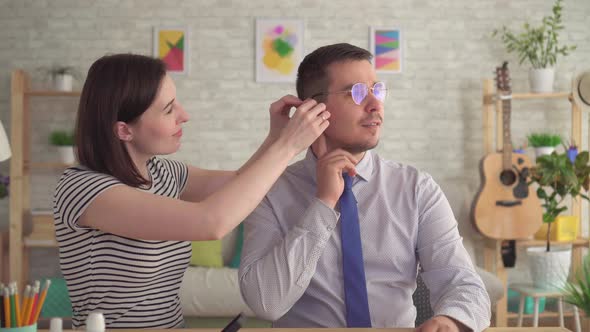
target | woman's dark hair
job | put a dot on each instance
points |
(118, 87)
(312, 77)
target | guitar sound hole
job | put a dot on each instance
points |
(507, 178)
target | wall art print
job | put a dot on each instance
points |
(279, 49)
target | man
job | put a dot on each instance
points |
(300, 262)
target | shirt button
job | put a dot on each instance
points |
(330, 228)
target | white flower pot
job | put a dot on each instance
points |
(541, 79)
(549, 270)
(544, 150)
(66, 154)
(63, 82)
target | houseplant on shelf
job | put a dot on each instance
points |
(557, 178)
(62, 76)
(543, 143)
(577, 291)
(540, 47)
(64, 141)
(4, 185)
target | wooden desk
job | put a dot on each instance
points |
(491, 329)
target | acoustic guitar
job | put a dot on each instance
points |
(505, 208)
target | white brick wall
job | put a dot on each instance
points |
(433, 114)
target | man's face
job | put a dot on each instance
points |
(355, 128)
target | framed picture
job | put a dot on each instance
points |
(279, 49)
(386, 46)
(171, 45)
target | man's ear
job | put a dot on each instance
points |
(123, 132)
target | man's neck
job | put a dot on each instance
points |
(359, 155)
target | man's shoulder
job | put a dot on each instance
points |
(295, 175)
(389, 166)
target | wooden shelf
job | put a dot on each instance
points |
(43, 234)
(493, 137)
(47, 165)
(544, 314)
(489, 99)
(50, 93)
(551, 95)
(579, 242)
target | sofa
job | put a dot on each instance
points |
(211, 297)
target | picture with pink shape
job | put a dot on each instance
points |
(386, 48)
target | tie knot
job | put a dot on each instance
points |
(347, 181)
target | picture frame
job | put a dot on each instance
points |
(386, 46)
(279, 49)
(171, 45)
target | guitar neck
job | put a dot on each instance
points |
(507, 140)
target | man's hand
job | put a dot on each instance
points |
(442, 324)
(329, 171)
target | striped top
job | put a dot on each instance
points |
(133, 282)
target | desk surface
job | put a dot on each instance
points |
(491, 329)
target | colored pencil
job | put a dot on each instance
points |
(17, 306)
(1, 304)
(32, 304)
(26, 298)
(6, 308)
(13, 321)
(42, 299)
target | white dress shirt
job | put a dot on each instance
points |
(291, 268)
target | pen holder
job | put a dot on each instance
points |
(29, 328)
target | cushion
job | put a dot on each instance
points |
(206, 253)
(57, 301)
(207, 292)
(235, 261)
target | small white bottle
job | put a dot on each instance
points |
(95, 322)
(55, 325)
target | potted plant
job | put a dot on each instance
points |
(577, 291)
(540, 47)
(64, 141)
(557, 178)
(4, 185)
(62, 76)
(572, 151)
(543, 143)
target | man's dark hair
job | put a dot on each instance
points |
(312, 77)
(119, 87)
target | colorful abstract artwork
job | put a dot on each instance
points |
(386, 46)
(279, 49)
(171, 45)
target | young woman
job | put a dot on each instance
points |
(124, 216)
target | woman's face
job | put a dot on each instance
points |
(159, 129)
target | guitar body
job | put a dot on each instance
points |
(505, 207)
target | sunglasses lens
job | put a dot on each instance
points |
(380, 91)
(359, 92)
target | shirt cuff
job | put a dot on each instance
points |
(476, 325)
(319, 219)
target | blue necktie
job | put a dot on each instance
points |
(355, 286)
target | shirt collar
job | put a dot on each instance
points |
(364, 169)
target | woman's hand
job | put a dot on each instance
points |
(308, 122)
(279, 115)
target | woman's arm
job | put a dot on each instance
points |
(129, 212)
(201, 182)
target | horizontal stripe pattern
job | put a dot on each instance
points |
(133, 282)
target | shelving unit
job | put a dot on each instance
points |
(493, 136)
(42, 233)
